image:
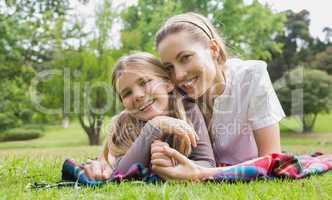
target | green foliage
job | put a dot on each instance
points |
(7, 120)
(313, 87)
(27, 36)
(20, 134)
(142, 21)
(299, 47)
(323, 60)
(82, 87)
(233, 18)
(248, 30)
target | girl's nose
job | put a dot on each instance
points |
(139, 93)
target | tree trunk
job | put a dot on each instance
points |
(306, 128)
(93, 137)
(92, 129)
(308, 122)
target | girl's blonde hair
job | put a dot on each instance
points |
(124, 128)
(200, 29)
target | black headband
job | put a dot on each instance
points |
(198, 26)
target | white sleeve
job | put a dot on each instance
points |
(264, 106)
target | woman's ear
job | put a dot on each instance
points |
(214, 46)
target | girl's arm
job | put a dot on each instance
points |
(161, 128)
(139, 151)
(203, 153)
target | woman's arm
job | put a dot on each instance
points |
(268, 140)
(264, 112)
(185, 169)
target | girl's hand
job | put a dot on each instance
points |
(184, 170)
(184, 135)
(98, 170)
(156, 153)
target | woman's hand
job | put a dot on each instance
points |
(156, 153)
(183, 134)
(98, 170)
(185, 169)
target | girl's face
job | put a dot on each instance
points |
(145, 96)
(192, 64)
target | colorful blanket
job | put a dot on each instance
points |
(267, 167)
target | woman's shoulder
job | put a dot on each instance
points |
(238, 65)
(245, 69)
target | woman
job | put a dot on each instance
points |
(236, 97)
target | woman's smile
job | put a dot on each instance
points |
(189, 84)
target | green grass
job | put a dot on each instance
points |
(40, 160)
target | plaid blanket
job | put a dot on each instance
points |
(72, 171)
(266, 167)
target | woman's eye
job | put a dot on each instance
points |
(185, 58)
(168, 67)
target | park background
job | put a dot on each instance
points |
(56, 95)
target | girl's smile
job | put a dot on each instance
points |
(144, 95)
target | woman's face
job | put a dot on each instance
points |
(191, 63)
(145, 96)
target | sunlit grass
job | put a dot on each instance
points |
(40, 160)
(19, 171)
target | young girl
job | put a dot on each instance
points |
(152, 111)
(235, 96)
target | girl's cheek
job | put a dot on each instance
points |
(152, 87)
(127, 103)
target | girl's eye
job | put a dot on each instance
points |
(125, 94)
(185, 58)
(144, 81)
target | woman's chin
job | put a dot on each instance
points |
(194, 94)
(150, 115)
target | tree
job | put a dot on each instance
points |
(141, 22)
(82, 87)
(248, 29)
(295, 39)
(26, 32)
(305, 93)
(328, 34)
(323, 60)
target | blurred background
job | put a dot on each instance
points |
(56, 58)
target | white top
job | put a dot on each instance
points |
(248, 102)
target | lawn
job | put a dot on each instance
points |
(40, 160)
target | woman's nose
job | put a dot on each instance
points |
(179, 74)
